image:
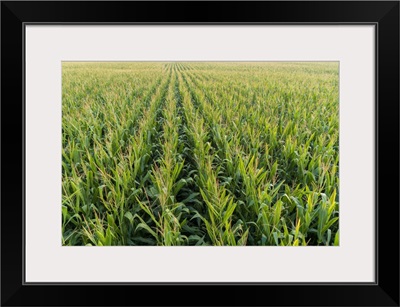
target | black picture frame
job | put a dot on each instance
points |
(383, 14)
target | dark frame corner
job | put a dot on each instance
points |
(384, 14)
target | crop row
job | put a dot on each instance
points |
(200, 154)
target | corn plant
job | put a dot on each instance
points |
(230, 153)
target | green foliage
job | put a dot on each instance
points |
(200, 154)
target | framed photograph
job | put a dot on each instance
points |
(239, 153)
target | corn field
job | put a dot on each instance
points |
(200, 153)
